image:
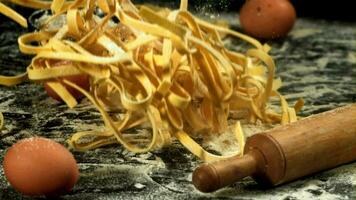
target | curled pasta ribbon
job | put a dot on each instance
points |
(13, 80)
(155, 75)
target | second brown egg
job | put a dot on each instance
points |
(267, 19)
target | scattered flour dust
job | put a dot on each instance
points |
(302, 33)
(226, 143)
(305, 193)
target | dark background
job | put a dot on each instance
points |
(332, 10)
(339, 10)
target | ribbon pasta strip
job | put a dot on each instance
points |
(154, 75)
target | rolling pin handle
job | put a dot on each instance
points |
(213, 176)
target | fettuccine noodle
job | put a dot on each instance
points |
(164, 71)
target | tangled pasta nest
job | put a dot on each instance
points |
(162, 70)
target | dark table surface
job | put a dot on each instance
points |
(316, 62)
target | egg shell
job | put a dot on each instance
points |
(267, 19)
(39, 166)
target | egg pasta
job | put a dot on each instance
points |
(159, 70)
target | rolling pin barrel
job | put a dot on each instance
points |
(288, 152)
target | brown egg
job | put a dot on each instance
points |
(267, 19)
(39, 166)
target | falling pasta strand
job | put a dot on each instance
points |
(12, 14)
(1, 120)
(164, 71)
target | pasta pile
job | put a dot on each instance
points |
(160, 70)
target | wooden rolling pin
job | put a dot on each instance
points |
(287, 152)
